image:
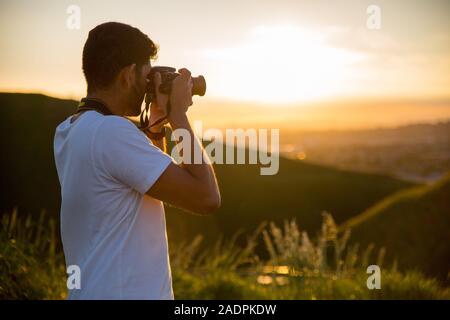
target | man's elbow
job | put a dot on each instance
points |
(211, 204)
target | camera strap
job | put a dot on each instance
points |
(88, 104)
(144, 118)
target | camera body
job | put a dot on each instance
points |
(168, 74)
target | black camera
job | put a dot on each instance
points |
(168, 74)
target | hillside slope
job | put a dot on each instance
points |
(413, 225)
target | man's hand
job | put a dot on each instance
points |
(180, 96)
(158, 108)
(180, 99)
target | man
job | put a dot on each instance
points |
(113, 176)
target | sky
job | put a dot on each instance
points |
(280, 53)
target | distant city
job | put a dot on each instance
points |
(418, 153)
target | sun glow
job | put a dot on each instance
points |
(280, 64)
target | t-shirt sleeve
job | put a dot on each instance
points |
(127, 155)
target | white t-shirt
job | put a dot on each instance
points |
(110, 229)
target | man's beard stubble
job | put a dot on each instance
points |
(136, 99)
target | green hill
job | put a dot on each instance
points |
(302, 190)
(413, 225)
(28, 173)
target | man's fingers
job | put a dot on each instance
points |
(185, 77)
(157, 79)
(161, 99)
(185, 73)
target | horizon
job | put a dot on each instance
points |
(316, 116)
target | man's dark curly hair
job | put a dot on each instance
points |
(110, 47)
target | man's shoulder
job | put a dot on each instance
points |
(117, 129)
(117, 123)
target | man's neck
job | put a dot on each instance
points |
(111, 100)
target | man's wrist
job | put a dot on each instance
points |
(157, 128)
(154, 134)
(179, 121)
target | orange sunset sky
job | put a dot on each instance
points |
(298, 64)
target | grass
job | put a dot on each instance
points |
(32, 265)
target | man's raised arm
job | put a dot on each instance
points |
(191, 186)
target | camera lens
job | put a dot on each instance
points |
(198, 86)
(168, 74)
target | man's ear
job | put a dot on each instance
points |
(128, 75)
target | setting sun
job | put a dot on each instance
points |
(280, 64)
